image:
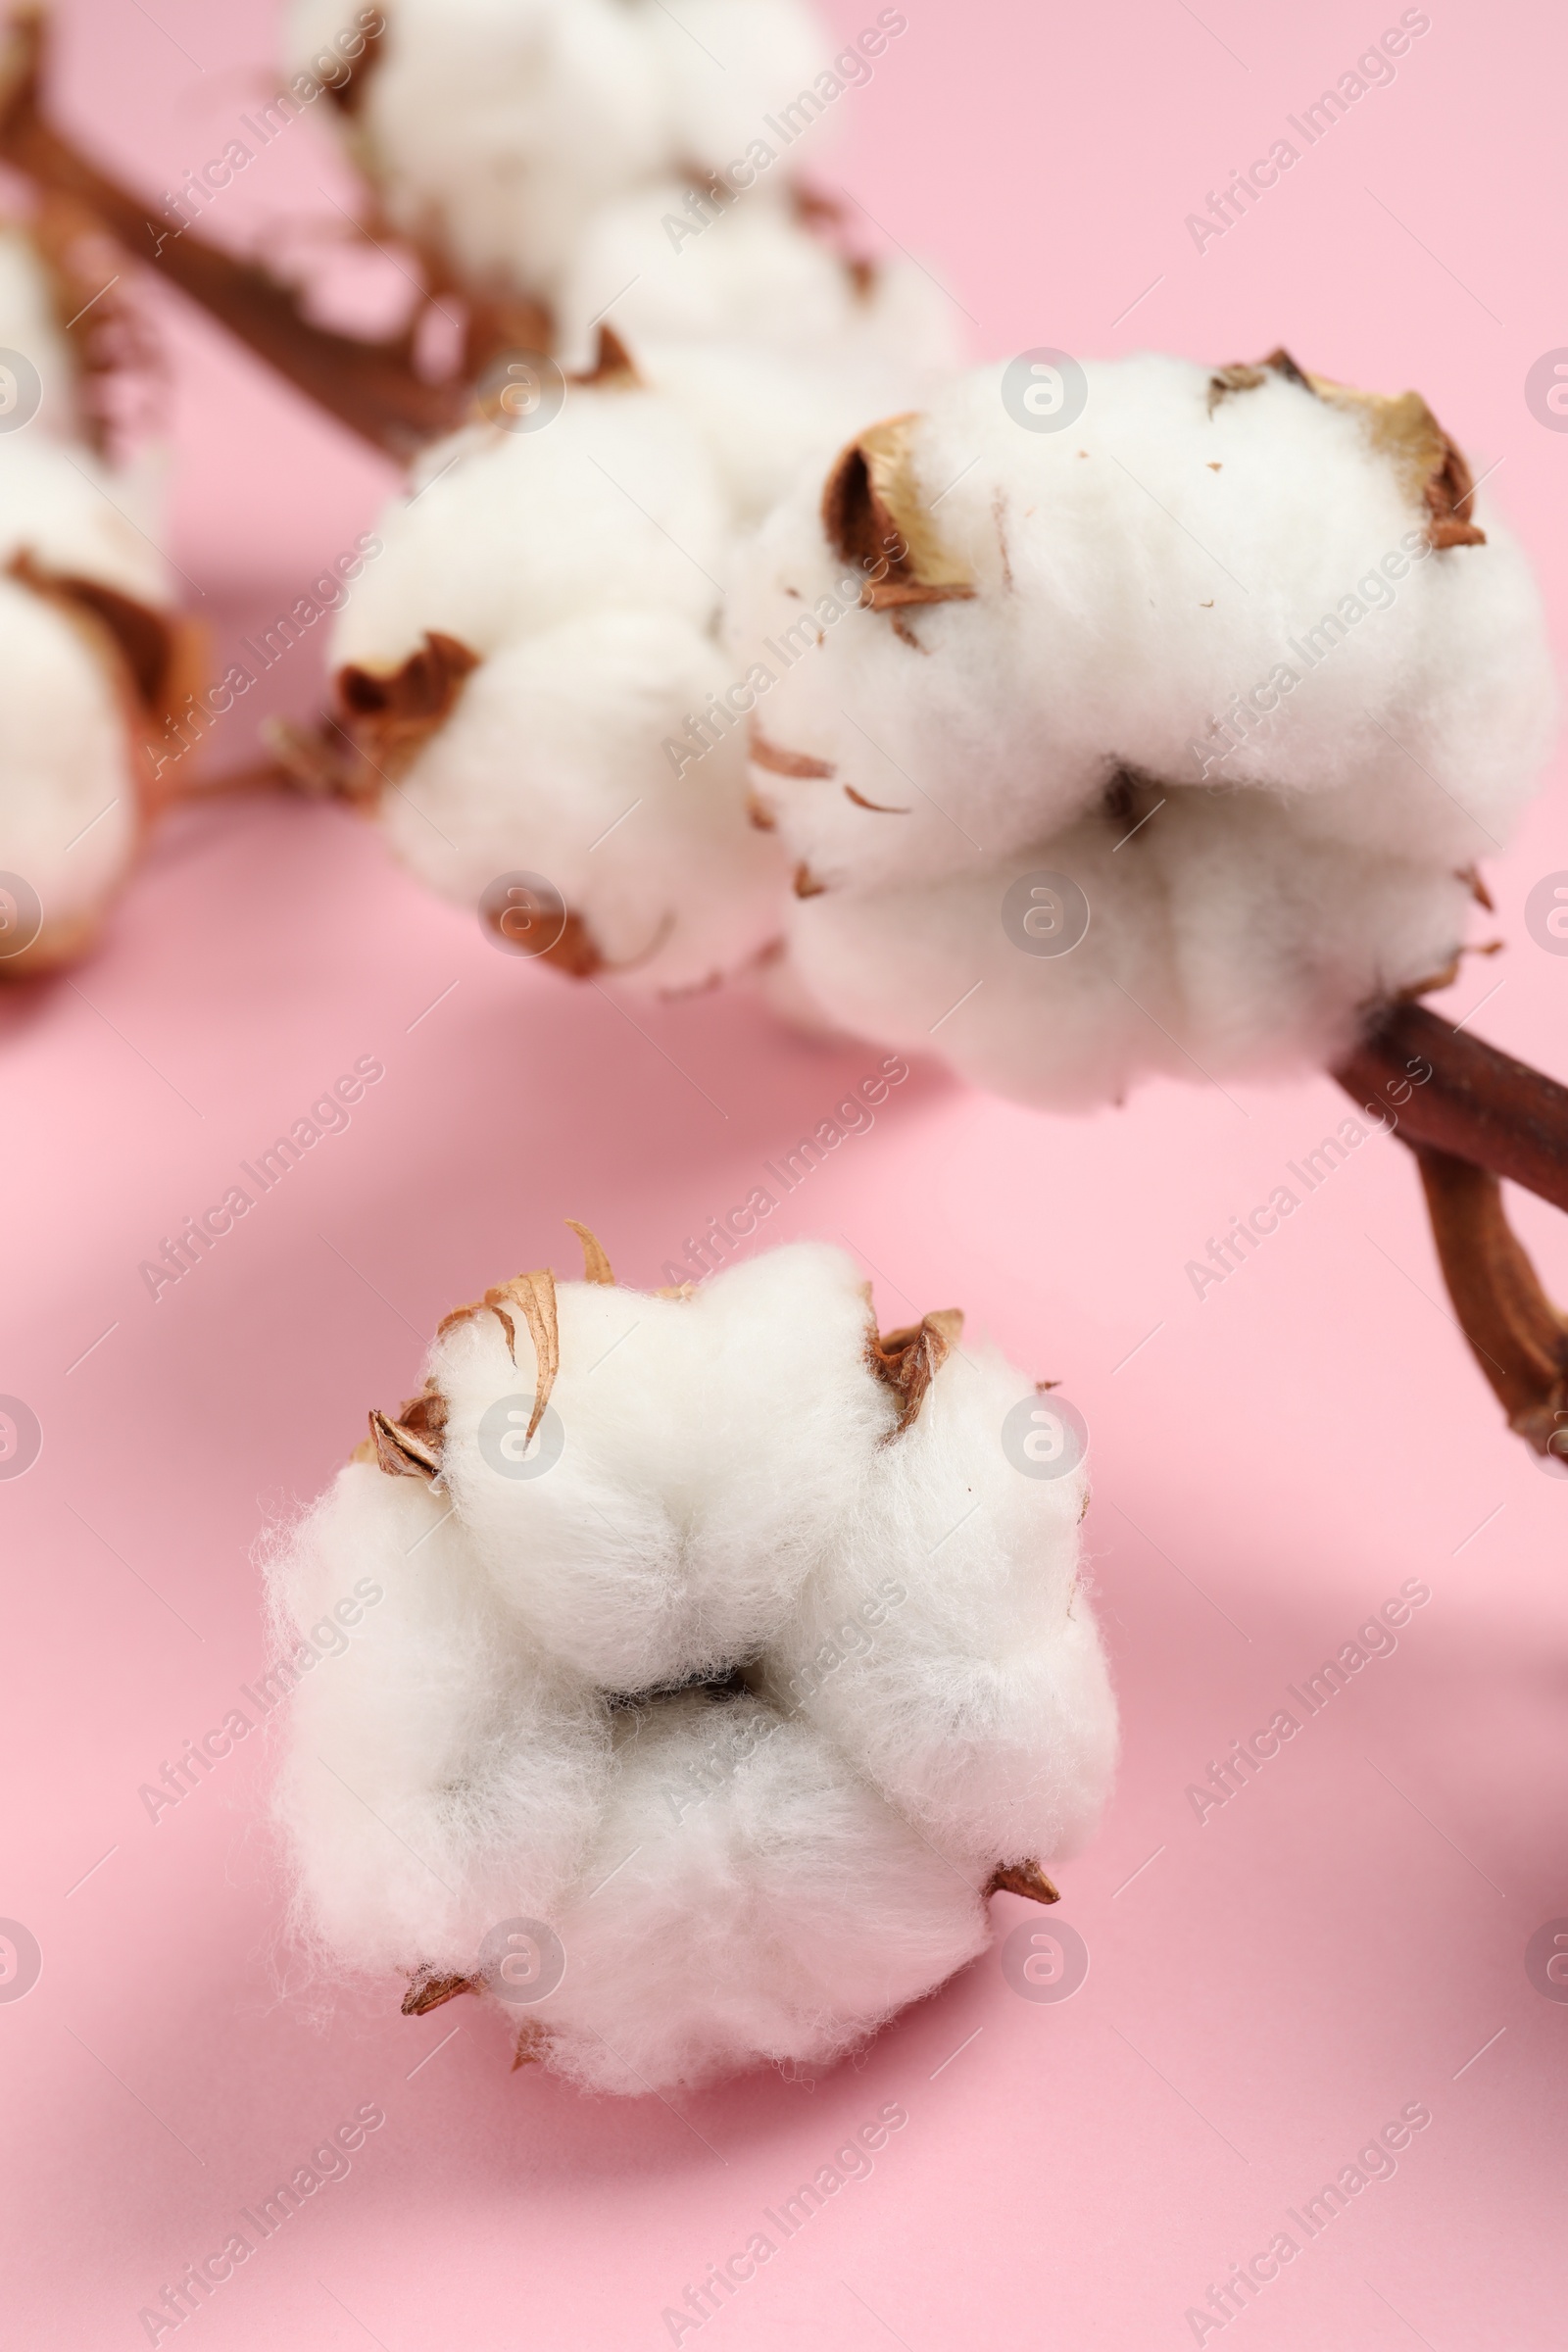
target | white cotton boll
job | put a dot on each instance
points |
(554, 762)
(586, 1689)
(74, 514)
(945, 1645)
(773, 1908)
(68, 795)
(490, 127)
(930, 967)
(1129, 577)
(754, 274)
(1223, 939)
(658, 1540)
(769, 417)
(612, 505)
(441, 1774)
(728, 64)
(31, 326)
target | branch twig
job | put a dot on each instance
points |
(372, 387)
(1473, 1115)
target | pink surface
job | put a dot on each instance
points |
(1267, 1987)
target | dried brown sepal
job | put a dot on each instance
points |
(534, 1296)
(425, 1416)
(531, 2045)
(876, 517)
(145, 638)
(681, 1291)
(1470, 875)
(347, 94)
(1025, 1879)
(403, 1453)
(596, 1266)
(428, 1992)
(372, 387)
(760, 816)
(877, 808)
(1431, 467)
(1517, 1336)
(908, 1360)
(391, 714)
(577, 953)
(613, 367)
(805, 883)
(781, 763)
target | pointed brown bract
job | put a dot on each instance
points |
(596, 1266)
(534, 1295)
(1023, 1877)
(907, 1361)
(428, 1992)
(391, 714)
(805, 883)
(577, 952)
(531, 2045)
(403, 1453)
(1431, 467)
(780, 762)
(613, 367)
(876, 517)
(877, 808)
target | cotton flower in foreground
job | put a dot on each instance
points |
(1169, 736)
(725, 1657)
(92, 655)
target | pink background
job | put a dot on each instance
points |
(1275, 1984)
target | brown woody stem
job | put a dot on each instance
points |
(1473, 1115)
(370, 387)
(1474, 1101)
(1519, 1338)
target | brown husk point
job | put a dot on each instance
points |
(1431, 467)
(907, 1361)
(1023, 1877)
(876, 517)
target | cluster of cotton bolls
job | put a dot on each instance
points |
(620, 160)
(578, 556)
(712, 1661)
(91, 651)
(1167, 739)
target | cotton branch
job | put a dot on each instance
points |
(1474, 1116)
(372, 387)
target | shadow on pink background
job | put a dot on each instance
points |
(1269, 1987)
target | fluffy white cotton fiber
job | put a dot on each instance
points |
(492, 129)
(721, 1644)
(83, 609)
(1242, 654)
(582, 562)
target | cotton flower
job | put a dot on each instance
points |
(492, 129)
(91, 651)
(719, 1647)
(1234, 655)
(574, 575)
